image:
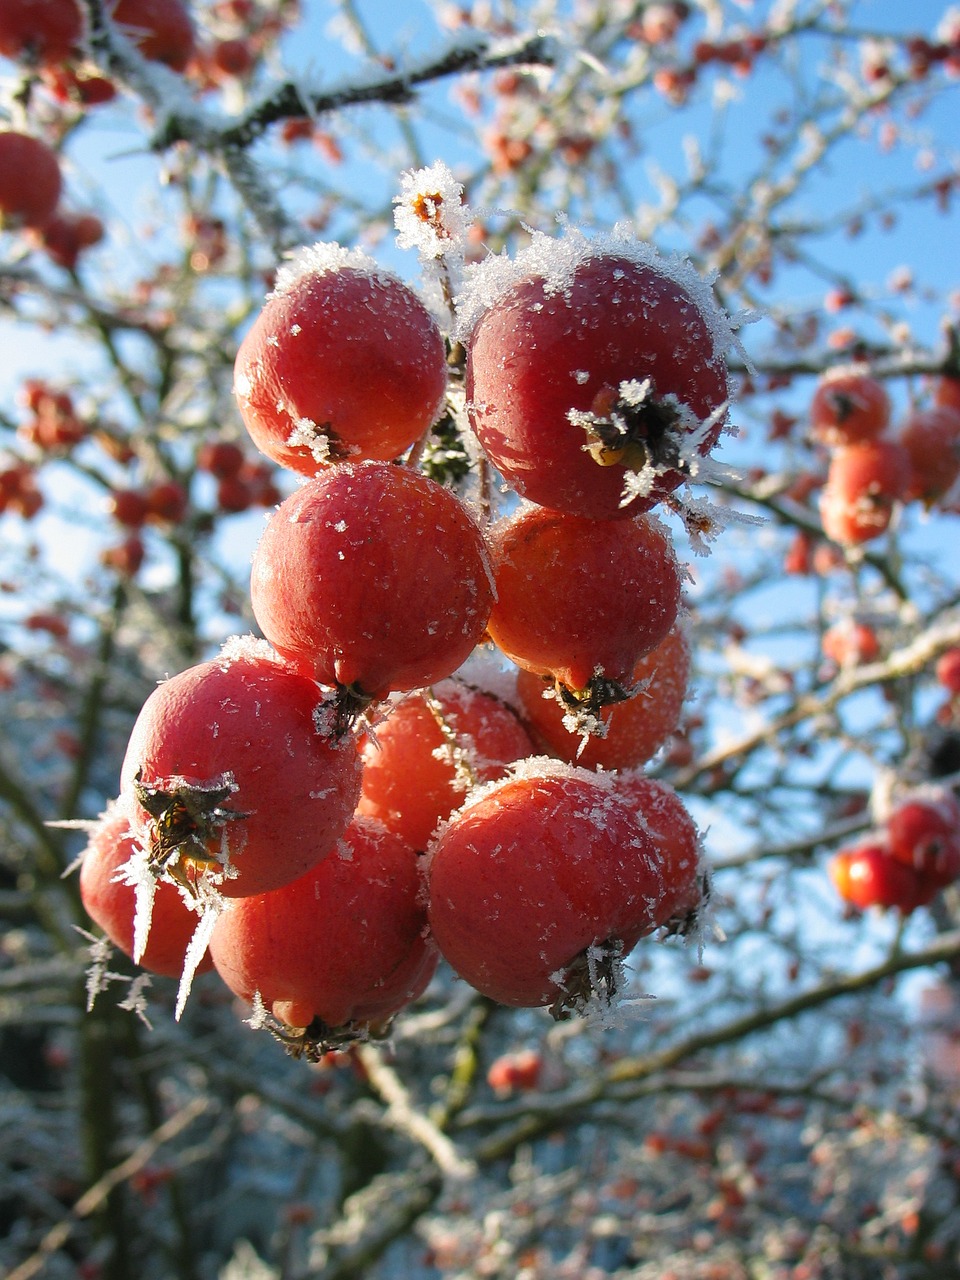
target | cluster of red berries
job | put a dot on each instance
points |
(872, 470)
(339, 802)
(909, 861)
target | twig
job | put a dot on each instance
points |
(94, 1196)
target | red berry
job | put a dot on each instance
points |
(539, 885)
(868, 875)
(129, 507)
(345, 943)
(161, 29)
(110, 902)
(635, 729)
(931, 438)
(30, 181)
(594, 369)
(343, 362)
(515, 1072)
(864, 482)
(429, 751)
(849, 643)
(65, 236)
(581, 600)
(222, 458)
(925, 835)
(234, 494)
(677, 841)
(166, 502)
(946, 392)
(848, 407)
(373, 577)
(231, 58)
(126, 557)
(39, 31)
(233, 757)
(948, 670)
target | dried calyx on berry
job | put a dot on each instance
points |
(186, 834)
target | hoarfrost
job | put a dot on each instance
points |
(136, 1001)
(555, 260)
(306, 434)
(213, 903)
(260, 1015)
(430, 214)
(245, 648)
(320, 259)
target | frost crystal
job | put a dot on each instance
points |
(556, 260)
(213, 904)
(430, 214)
(136, 1001)
(320, 259)
(306, 434)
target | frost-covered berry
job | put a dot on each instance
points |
(344, 362)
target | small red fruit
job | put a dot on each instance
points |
(925, 834)
(430, 750)
(222, 458)
(948, 670)
(597, 375)
(161, 29)
(540, 885)
(868, 875)
(931, 438)
(373, 578)
(848, 406)
(677, 840)
(39, 31)
(66, 235)
(166, 502)
(111, 904)
(849, 643)
(232, 760)
(581, 600)
(340, 947)
(864, 482)
(129, 507)
(343, 362)
(635, 729)
(515, 1072)
(30, 181)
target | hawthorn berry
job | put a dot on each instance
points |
(848, 406)
(372, 578)
(39, 32)
(342, 946)
(581, 600)
(947, 670)
(931, 438)
(596, 377)
(864, 483)
(30, 181)
(540, 885)
(678, 845)
(925, 834)
(344, 362)
(867, 875)
(234, 772)
(848, 643)
(109, 899)
(515, 1072)
(431, 748)
(162, 30)
(634, 730)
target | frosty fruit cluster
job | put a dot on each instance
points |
(437, 747)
